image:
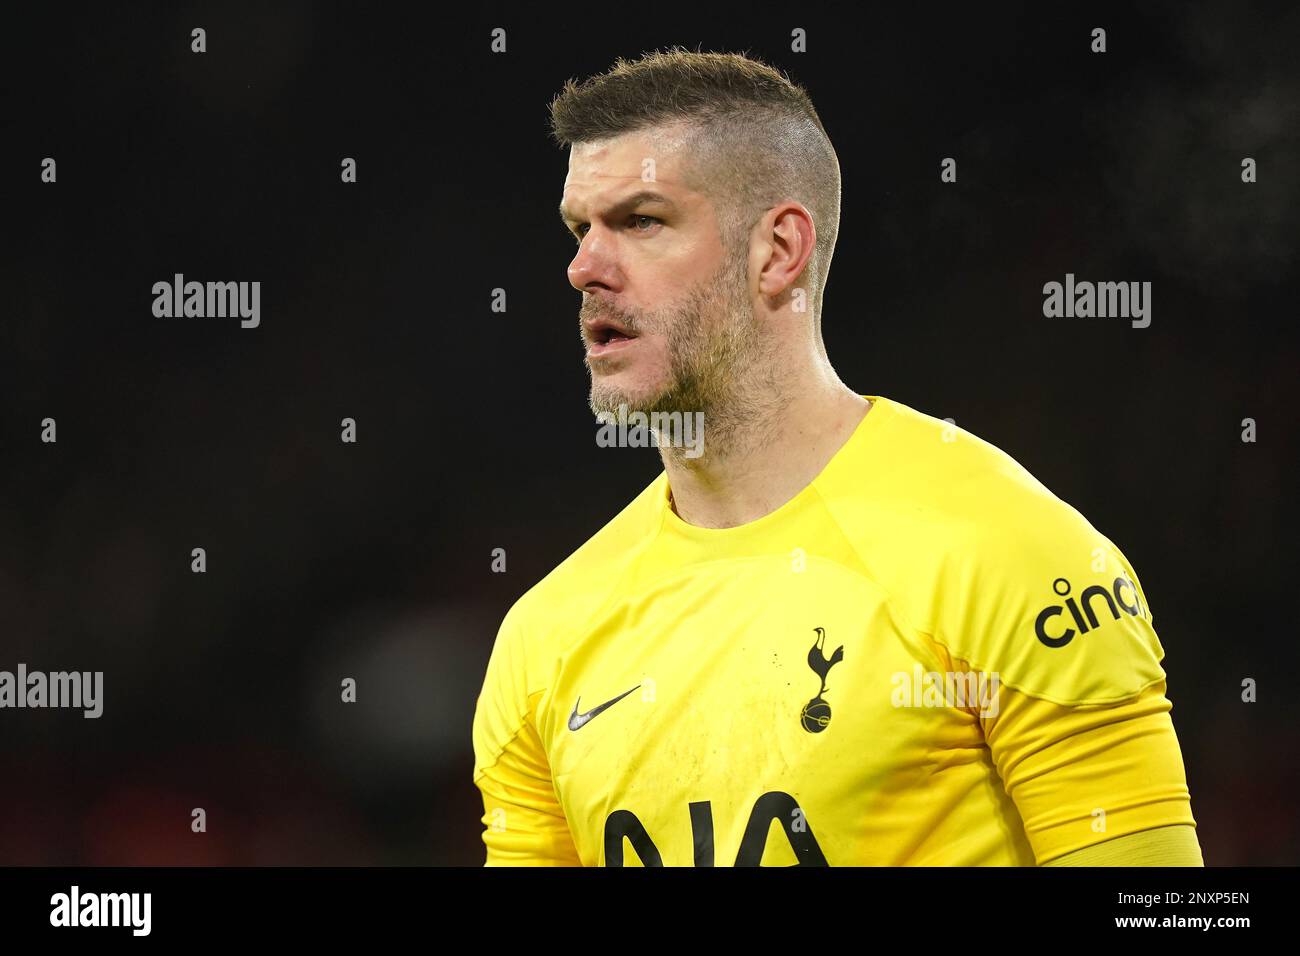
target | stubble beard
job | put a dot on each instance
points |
(716, 359)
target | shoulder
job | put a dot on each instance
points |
(535, 628)
(1006, 575)
(579, 585)
(1044, 598)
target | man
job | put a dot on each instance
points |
(847, 633)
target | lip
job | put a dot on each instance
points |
(600, 333)
(600, 349)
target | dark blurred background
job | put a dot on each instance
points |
(373, 560)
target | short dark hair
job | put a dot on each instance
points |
(754, 138)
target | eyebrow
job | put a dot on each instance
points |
(639, 198)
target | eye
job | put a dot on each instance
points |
(634, 220)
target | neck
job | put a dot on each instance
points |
(756, 463)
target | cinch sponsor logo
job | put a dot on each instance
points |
(1114, 599)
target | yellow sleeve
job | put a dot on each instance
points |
(1163, 846)
(524, 824)
(1081, 734)
(1087, 775)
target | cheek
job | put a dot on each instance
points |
(653, 360)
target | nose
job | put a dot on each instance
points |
(591, 267)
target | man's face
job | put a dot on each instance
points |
(665, 317)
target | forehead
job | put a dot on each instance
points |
(610, 166)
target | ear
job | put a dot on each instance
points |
(789, 237)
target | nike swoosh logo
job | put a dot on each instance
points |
(577, 720)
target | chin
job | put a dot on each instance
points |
(609, 392)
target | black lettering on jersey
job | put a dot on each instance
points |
(621, 824)
(776, 805)
(773, 805)
(702, 831)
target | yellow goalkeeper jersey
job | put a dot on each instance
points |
(923, 658)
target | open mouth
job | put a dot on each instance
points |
(606, 335)
(603, 334)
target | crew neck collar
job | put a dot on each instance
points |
(868, 426)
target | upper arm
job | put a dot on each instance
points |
(524, 824)
(1081, 735)
(1088, 775)
(1163, 846)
